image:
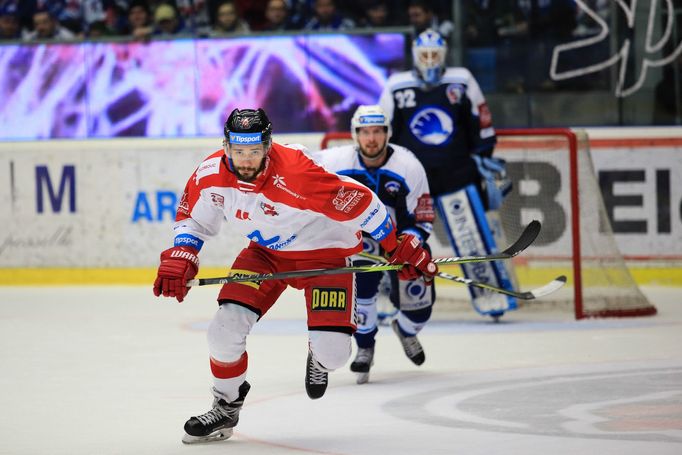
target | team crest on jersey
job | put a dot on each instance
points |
(218, 200)
(268, 209)
(328, 299)
(432, 126)
(454, 93)
(278, 180)
(346, 200)
(392, 187)
(183, 206)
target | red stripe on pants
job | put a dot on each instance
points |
(227, 370)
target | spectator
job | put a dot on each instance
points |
(228, 21)
(422, 16)
(9, 22)
(327, 17)
(277, 16)
(140, 20)
(376, 14)
(104, 17)
(166, 21)
(46, 27)
(195, 15)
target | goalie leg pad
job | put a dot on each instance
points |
(469, 233)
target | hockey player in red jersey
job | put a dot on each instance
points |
(297, 216)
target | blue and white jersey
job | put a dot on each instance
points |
(400, 183)
(442, 125)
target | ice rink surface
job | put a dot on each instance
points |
(114, 370)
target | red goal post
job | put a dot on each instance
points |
(556, 183)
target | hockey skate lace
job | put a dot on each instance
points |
(317, 376)
(214, 415)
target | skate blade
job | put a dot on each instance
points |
(219, 435)
(362, 378)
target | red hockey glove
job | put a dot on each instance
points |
(178, 265)
(417, 260)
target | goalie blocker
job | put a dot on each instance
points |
(470, 234)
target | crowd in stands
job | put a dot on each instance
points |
(59, 20)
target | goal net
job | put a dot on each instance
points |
(555, 183)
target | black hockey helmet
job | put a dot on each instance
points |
(247, 127)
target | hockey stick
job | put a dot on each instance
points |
(554, 285)
(548, 288)
(256, 277)
(527, 237)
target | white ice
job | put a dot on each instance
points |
(114, 370)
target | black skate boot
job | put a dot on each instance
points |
(218, 423)
(316, 378)
(411, 345)
(364, 360)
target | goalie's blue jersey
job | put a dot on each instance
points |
(400, 183)
(442, 125)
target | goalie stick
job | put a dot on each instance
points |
(526, 238)
(547, 289)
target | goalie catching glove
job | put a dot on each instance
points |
(416, 259)
(178, 265)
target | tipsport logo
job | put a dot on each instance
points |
(432, 126)
(373, 119)
(245, 138)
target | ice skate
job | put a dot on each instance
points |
(316, 378)
(364, 360)
(218, 423)
(411, 345)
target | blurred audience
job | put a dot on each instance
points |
(277, 16)
(9, 22)
(422, 15)
(376, 14)
(326, 16)
(167, 21)
(228, 21)
(140, 25)
(46, 27)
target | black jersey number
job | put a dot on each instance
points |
(405, 98)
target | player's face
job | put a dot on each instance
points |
(248, 160)
(372, 141)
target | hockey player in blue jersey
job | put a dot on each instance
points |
(398, 178)
(441, 115)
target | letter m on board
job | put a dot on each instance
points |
(44, 185)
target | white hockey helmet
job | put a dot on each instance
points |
(428, 55)
(369, 115)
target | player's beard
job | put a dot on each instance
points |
(376, 155)
(249, 174)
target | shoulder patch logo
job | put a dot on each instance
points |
(346, 200)
(218, 200)
(279, 180)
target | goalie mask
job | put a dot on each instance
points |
(248, 127)
(428, 55)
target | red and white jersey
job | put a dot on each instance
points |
(295, 208)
